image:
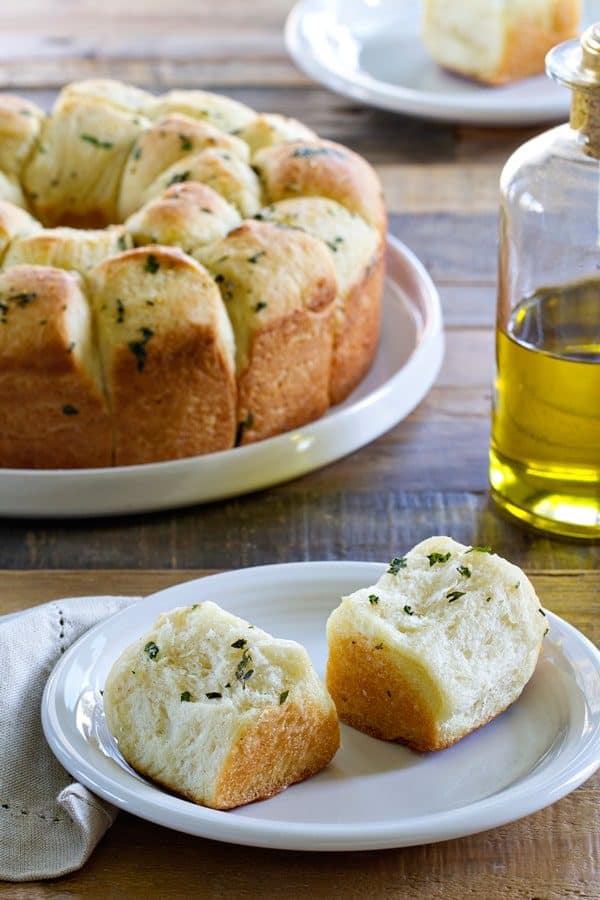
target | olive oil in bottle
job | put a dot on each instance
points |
(545, 452)
(545, 448)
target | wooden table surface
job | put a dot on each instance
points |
(426, 476)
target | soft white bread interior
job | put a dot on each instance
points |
(167, 354)
(53, 410)
(186, 215)
(11, 191)
(14, 223)
(356, 250)
(217, 710)
(270, 128)
(497, 42)
(20, 123)
(445, 641)
(66, 248)
(279, 288)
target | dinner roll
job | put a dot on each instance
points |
(445, 641)
(168, 140)
(116, 93)
(279, 287)
(217, 710)
(74, 173)
(53, 411)
(223, 112)
(225, 173)
(14, 223)
(67, 248)
(497, 42)
(167, 354)
(20, 123)
(316, 168)
(186, 215)
(357, 252)
(270, 128)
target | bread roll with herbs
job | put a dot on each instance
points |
(267, 129)
(166, 142)
(73, 176)
(53, 411)
(357, 252)
(322, 169)
(186, 215)
(167, 354)
(20, 123)
(497, 42)
(67, 248)
(445, 641)
(218, 711)
(116, 93)
(224, 113)
(220, 170)
(14, 224)
(279, 288)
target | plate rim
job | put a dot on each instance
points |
(123, 490)
(524, 796)
(395, 98)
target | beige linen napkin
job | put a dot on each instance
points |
(49, 824)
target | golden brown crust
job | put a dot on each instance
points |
(357, 338)
(287, 744)
(322, 168)
(372, 694)
(53, 413)
(166, 365)
(526, 43)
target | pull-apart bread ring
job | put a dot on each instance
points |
(222, 271)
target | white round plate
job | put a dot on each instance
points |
(371, 50)
(408, 360)
(373, 794)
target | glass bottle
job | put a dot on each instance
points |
(545, 448)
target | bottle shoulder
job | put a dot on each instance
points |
(550, 162)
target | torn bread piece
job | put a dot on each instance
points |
(217, 710)
(445, 641)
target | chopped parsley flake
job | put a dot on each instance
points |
(546, 632)
(315, 151)
(408, 610)
(438, 558)
(120, 310)
(195, 606)
(186, 697)
(283, 697)
(262, 304)
(379, 646)
(138, 348)
(178, 178)
(487, 599)
(96, 142)
(137, 153)
(186, 142)
(151, 265)
(483, 549)
(517, 585)
(151, 649)
(121, 243)
(334, 244)
(240, 643)
(242, 672)
(451, 596)
(69, 410)
(396, 564)
(464, 570)
(214, 695)
(255, 258)
(541, 611)
(373, 599)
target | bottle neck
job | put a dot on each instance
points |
(585, 118)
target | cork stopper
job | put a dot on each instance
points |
(576, 64)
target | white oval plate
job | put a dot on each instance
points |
(373, 794)
(408, 360)
(371, 50)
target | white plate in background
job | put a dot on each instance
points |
(408, 360)
(373, 794)
(371, 51)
